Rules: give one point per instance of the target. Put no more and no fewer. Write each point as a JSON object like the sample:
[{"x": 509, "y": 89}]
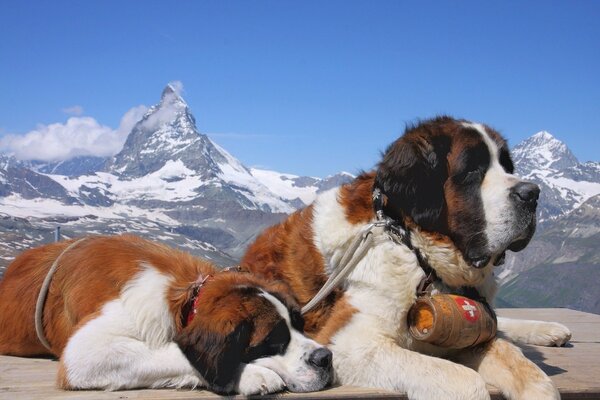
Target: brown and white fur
[
  {"x": 117, "y": 317},
  {"x": 451, "y": 183}
]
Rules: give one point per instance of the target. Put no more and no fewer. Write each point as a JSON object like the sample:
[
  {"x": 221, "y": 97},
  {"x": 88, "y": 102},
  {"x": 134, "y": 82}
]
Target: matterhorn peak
[{"x": 171, "y": 95}]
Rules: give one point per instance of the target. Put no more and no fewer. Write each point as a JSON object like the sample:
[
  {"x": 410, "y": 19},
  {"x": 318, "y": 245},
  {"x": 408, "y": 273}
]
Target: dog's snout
[
  {"x": 321, "y": 358},
  {"x": 526, "y": 192}
]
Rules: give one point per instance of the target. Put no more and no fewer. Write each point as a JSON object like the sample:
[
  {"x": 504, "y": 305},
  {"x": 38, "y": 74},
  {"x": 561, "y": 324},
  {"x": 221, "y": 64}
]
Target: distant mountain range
[
  {"x": 172, "y": 183},
  {"x": 169, "y": 182}
]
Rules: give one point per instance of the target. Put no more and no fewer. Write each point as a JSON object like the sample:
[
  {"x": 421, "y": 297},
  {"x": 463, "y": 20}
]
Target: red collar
[{"x": 190, "y": 309}]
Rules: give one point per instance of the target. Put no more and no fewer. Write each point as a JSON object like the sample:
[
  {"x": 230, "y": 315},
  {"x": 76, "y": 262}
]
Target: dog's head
[
  {"x": 242, "y": 320},
  {"x": 455, "y": 178}
]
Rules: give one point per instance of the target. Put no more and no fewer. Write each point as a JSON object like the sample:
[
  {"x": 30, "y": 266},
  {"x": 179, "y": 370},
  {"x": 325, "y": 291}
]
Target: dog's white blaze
[{"x": 495, "y": 191}]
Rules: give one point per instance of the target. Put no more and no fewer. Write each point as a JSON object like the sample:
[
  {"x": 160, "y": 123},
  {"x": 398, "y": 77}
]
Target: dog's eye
[{"x": 469, "y": 177}]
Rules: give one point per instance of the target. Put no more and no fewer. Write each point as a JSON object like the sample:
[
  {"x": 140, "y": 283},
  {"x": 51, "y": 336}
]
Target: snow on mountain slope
[
  {"x": 234, "y": 173},
  {"x": 284, "y": 185},
  {"x": 565, "y": 183},
  {"x": 303, "y": 188},
  {"x": 173, "y": 182},
  {"x": 17, "y": 206}
]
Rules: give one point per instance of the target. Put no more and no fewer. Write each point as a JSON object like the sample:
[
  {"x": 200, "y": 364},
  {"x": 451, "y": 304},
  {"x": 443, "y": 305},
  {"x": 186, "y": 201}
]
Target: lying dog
[
  {"x": 123, "y": 312},
  {"x": 455, "y": 207}
]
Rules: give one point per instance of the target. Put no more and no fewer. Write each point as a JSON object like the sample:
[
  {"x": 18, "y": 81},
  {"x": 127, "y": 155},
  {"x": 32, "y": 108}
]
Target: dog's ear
[
  {"x": 411, "y": 175},
  {"x": 216, "y": 355}
]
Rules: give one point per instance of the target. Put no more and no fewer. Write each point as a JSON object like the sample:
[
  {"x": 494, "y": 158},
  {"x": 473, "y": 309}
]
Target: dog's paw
[
  {"x": 259, "y": 380},
  {"x": 542, "y": 390},
  {"x": 550, "y": 334}
]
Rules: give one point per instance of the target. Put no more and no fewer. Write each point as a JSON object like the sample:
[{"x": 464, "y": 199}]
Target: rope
[
  {"x": 41, "y": 300},
  {"x": 353, "y": 254}
]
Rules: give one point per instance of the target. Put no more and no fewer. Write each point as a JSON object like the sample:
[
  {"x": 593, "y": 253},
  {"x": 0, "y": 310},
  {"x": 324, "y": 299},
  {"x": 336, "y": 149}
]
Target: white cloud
[
  {"x": 177, "y": 87},
  {"x": 79, "y": 136},
  {"x": 129, "y": 119},
  {"x": 73, "y": 110},
  {"x": 171, "y": 104}
]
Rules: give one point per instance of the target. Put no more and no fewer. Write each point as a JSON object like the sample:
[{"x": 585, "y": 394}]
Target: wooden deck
[{"x": 575, "y": 369}]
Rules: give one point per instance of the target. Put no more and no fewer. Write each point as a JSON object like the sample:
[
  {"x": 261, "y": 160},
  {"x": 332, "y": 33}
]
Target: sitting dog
[
  {"x": 452, "y": 207},
  {"x": 122, "y": 312}
]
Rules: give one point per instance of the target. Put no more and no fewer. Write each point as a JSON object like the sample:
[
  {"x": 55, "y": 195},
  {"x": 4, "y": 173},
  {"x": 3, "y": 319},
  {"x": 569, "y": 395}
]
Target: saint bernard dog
[
  {"x": 122, "y": 312},
  {"x": 449, "y": 186}
]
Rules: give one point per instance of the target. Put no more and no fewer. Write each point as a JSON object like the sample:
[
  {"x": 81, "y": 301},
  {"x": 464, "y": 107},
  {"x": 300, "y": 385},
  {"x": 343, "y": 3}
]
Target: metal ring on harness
[{"x": 41, "y": 300}]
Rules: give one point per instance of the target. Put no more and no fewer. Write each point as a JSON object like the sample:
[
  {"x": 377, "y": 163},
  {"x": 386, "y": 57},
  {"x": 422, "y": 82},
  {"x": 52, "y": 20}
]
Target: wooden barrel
[{"x": 451, "y": 321}]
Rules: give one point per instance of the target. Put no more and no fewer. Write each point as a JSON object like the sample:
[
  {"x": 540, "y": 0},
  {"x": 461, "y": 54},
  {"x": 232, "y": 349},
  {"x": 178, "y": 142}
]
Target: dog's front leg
[
  {"x": 503, "y": 365},
  {"x": 96, "y": 358},
  {"x": 131, "y": 366},
  {"x": 538, "y": 333},
  {"x": 363, "y": 358}
]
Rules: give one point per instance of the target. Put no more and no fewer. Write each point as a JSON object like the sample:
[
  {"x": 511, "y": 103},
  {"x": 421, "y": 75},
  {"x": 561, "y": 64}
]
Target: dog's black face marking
[
  {"x": 505, "y": 160},
  {"x": 297, "y": 320},
  {"x": 216, "y": 357},
  {"x": 274, "y": 343},
  {"x": 412, "y": 175},
  {"x": 472, "y": 165}
]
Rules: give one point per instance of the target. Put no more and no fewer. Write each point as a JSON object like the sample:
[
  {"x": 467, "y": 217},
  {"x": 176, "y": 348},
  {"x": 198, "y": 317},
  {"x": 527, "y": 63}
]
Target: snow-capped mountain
[
  {"x": 17, "y": 178},
  {"x": 565, "y": 182},
  {"x": 169, "y": 181}
]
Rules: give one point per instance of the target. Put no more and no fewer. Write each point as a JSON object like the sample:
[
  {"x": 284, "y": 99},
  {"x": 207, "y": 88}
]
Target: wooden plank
[{"x": 574, "y": 369}]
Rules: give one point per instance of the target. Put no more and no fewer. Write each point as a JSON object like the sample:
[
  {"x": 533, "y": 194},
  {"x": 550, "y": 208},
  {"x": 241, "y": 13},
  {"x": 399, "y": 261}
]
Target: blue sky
[{"x": 311, "y": 87}]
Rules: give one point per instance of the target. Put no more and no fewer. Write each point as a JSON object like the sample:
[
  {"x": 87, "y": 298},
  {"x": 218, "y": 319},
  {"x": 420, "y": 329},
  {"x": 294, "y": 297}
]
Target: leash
[
  {"x": 354, "y": 253},
  {"x": 41, "y": 300},
  {"x": 361, "y": 245}
]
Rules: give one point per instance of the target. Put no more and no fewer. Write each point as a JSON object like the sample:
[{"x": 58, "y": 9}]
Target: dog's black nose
[
  {"x": 526, "y": 191},
  {"x": 321, "y": 358}
]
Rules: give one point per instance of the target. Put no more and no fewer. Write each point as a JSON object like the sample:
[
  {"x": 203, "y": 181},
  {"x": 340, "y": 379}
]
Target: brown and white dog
[
  {"x": 123, "y": 312},
  {"x": 449, "y": 183}
]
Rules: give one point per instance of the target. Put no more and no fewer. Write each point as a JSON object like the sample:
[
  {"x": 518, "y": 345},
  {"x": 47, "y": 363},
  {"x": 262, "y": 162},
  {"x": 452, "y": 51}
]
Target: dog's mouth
[
  {"x": 483, "y": 258},
  {"x": 517, "y": 244}
]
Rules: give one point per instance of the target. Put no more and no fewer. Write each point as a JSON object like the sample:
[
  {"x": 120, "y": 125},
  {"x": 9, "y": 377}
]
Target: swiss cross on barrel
[{"x": 470, "y": 311}]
